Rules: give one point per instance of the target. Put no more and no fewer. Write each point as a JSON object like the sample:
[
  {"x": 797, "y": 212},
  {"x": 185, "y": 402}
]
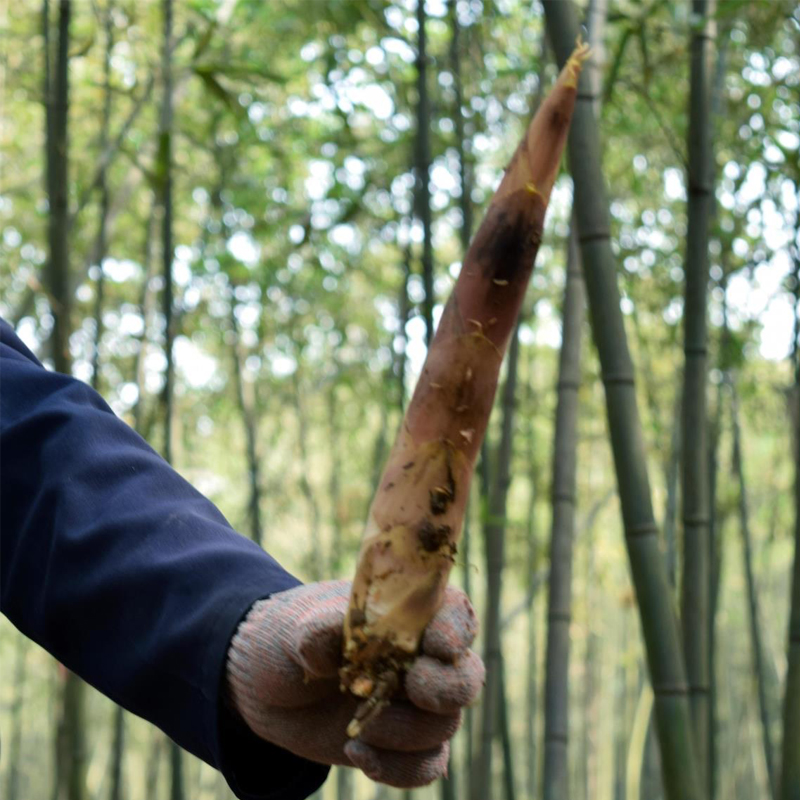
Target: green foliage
[{"x": 293, "y": 145}]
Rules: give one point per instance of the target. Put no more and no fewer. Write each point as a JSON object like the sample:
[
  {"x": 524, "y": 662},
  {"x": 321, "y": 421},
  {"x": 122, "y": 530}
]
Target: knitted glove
[{"x": 282, "y": 679}]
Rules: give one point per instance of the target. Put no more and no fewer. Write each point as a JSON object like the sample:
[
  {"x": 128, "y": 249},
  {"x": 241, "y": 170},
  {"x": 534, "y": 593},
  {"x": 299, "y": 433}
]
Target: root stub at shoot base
[
  {"x": 416, "y": 516},
  {"x": 377, "y": 692}
]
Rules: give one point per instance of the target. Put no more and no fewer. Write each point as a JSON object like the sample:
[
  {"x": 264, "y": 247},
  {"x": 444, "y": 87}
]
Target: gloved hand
[{"x": 282, "y": 679}]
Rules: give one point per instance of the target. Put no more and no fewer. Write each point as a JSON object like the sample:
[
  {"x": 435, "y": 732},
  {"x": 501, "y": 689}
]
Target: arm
[{"x": 126, "y": 574}]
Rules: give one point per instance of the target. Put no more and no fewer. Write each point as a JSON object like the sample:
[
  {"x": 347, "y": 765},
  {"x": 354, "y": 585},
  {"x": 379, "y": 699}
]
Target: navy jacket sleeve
[{"x": 126, "y": 574}]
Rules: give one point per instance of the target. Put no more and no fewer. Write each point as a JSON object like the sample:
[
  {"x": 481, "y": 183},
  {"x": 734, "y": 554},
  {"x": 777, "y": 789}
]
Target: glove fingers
[
  {"x": 404, "y": 728},
  {"x": 453, "y": 629},
  {"x": 403, "y": 770},
  {"x": 445, "y": 688}
]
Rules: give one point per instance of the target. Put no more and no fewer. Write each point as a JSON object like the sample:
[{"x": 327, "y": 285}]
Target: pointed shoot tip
[{"x": 575, "y": 62}]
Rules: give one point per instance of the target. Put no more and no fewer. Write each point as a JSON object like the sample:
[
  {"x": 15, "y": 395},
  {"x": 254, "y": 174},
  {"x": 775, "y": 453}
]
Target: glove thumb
[{"x": 316, "y": 644}]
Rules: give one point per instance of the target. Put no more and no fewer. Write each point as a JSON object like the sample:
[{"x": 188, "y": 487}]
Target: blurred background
[{"x": 238, "y": 221}]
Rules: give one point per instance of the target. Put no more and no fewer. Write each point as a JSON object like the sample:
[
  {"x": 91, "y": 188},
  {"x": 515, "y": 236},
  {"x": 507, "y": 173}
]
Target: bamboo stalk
[
  {"x": 494, "y": 531},
  {"x": 465, "y": 234},
  {"x": 422, "y": 171},
  {"x": 101, "y": 244},
  {"x": 565, "y": 447},
  {"x": 57, "y": 268},
  {"x": 559, "y": 605},
  {"x": 653, "y": 591},
  {"x": 790, "y": 776},
  {"x": 694, "y": 447},
  {"x": 16, "y": 721},
  {"x": 752, "y": 596}
]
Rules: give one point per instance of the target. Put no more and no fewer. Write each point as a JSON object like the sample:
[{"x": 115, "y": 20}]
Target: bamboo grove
[{"x": 240, "y": 221}]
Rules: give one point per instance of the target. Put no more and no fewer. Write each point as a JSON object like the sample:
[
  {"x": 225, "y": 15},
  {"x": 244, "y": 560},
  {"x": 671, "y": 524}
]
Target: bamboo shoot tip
[{"x": 575, "y": 62}]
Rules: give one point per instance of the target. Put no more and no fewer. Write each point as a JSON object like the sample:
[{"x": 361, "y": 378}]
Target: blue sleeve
[{"x": 127, "y": 575}]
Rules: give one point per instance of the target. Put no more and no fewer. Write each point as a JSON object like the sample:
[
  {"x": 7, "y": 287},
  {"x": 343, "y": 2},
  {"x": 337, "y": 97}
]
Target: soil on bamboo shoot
[{"x": 412, "y": 532}]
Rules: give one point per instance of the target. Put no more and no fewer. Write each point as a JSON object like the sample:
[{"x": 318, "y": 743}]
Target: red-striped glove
[{"x": 282, "y": 677}]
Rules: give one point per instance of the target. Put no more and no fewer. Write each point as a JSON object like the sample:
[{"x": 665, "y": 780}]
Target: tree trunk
[
  {"x": 790, "y": 779},
  {"x": 465, "y": 233},
  {"x": 246, "y": 398},
  {"x": 637, "y": 745},
  {"x": 715, "y": 556},
  {"x": 101, "y": 245},
  {"x": 315, "y": 566},
  {"x": 344, "y": 783},
  {"x": 247, "y": 408},
  {"x": 382, "y": 792},
  {"x": 398, "y": 372},
  {"x": 422, "y": 169},
  {"x": 177, "y": 790},
  {"x": 334, "y": 484},
  {"x": 659, "y": 623},
  {"x": 790, "y": 775},
  {"x": 531, "y": 705},
  {"x": 620, "y": 721},
  {"x": 153, "y": 763},
  {"x": 146, "y": 301},
  {"x": 671, "y": 510},
  {"x": 57, "y": 166},
  {"x": 71, "y": 744},
  {"x": 117, "y": 755},
  {"x": 462, "y": 143},
  {"x": 565, "y": 445},
  {"x": 504, "y": 723},
  {"x": 591, "y": 659},
  {"x": 164, "y": 183},
  {"x": 752, "y": 596},
  {"x": 672, "y": 454},
  {"x": 694, "y": 457},
  {"x": 494, "y": 537},
  {"x": 531, "y": 693},
  {"x": 559, "y": 603},
  {"x": 15, "y": 737},
  {"x": 404, "y": 308}
]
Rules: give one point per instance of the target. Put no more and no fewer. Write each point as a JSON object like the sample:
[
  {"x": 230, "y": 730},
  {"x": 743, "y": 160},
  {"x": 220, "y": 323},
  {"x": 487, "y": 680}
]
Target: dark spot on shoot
[
  {"x": 431, "y": 536},
  {"x": 451, "y": 483},
  {"x": 441, "y": 496},
  {"x": 505, "y": 245},
  {"x": 409, "y": 465}
]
